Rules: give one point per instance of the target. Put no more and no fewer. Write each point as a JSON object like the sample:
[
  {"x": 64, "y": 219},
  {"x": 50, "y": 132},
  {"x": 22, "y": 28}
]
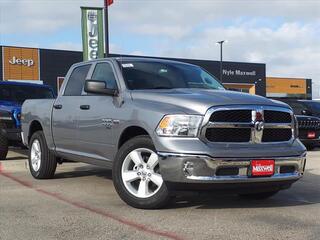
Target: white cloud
[
  {"x": 67, "y": 46},
  {"x": 281, "y": 33},
  {"x": 40, "y": 16}
]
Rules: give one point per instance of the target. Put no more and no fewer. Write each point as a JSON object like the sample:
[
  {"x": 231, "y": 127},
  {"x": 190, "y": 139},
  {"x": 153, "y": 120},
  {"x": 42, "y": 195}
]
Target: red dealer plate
[
  {"x": 311, "y": 134},
  {"x": 262, "y": 168}
]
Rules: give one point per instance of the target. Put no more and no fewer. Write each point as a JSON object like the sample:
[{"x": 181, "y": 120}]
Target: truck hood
[
  {"x": 199, "y": 100},
  {"x": 9, "y": 106}
]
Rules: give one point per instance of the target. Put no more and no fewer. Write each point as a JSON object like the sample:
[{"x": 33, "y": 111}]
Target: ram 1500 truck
[
  {"x": 164, "y": 126},
  {"x": 12, "y": 95}
]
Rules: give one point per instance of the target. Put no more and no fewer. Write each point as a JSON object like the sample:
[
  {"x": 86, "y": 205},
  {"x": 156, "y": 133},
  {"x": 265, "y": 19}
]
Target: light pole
[{"x": 221, "y": 43}]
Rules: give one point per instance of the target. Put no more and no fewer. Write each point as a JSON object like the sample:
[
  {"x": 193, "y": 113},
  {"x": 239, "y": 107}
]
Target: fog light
[{"x": 188, "y": 169}]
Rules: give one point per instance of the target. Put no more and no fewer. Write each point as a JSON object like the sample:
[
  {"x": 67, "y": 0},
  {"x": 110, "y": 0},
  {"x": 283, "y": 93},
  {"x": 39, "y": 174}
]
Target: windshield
[
  {"x": 21, "y": 93},
  {"x": 164, "y": 75},
  {"x": 315, "y": 106}
]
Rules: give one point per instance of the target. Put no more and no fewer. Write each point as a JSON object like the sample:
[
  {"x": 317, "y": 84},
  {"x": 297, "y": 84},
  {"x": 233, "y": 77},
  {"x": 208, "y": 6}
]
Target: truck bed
[{"x": 37, "y": 110}]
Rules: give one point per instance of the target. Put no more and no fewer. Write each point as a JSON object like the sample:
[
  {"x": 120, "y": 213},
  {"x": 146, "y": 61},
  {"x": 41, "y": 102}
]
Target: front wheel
[
  {"x": 42, "y": 162},
  {"x": 137, "y": 177}
]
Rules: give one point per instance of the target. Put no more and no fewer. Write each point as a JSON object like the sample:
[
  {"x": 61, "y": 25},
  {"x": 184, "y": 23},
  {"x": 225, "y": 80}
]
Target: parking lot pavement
[{"x": 81, "y": 203}]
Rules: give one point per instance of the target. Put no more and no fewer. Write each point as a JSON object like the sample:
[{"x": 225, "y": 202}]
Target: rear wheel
[
  {"x": 3, "y": 146},
  {"x": 259, "y": 196},
  {"x": 136, "y": 175},
  {"x": 42, "y": 162}
]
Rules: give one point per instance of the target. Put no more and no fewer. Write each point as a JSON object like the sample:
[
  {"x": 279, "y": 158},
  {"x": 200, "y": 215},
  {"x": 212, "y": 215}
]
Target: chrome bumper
[{"x": 183, "y": 168}]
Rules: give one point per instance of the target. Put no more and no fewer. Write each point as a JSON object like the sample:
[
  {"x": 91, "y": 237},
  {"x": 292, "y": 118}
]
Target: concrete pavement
[{"x": 81, "y": 203}]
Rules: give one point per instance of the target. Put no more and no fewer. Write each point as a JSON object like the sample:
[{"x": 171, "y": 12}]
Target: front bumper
[
  {"x": 12, "y": 134},
  {"x": 184, "y": 168}
]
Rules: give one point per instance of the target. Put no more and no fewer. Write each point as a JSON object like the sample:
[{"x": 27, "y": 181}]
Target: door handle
[
  {"x": 57, "y": 106},
  {"x": 85, "y": 107}
]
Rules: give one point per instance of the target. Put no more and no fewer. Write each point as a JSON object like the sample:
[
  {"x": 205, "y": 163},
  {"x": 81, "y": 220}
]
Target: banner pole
[{"x": 106, "y": 29}]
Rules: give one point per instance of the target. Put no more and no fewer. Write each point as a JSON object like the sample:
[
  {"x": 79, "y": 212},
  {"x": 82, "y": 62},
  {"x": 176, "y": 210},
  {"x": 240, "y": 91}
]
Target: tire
[
  {"x": 42, "y": 162},
  {"x": 310, "y": 147},
  {"x": 259, "y": 196},
  {"x": 3, "y": 147},
  {"x": 145, "y": 188}
]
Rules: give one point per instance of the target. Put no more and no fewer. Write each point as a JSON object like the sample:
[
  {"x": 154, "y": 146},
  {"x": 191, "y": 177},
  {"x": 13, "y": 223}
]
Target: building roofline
[{"x": 146, "y": 56}]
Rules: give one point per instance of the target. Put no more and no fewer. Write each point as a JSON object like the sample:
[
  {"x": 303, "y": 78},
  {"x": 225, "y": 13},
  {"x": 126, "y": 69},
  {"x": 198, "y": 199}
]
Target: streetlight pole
[
  {"x": 106, "y": 27},
  {"x": 221, "y": 44}
]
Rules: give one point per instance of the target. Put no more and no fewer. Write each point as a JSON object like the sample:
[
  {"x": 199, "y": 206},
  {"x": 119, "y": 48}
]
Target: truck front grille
[
  {"x": 309, "y": 124},
  {"x": 231, "y": 116},
  {"x": 276, "y": 135},
  {"x": 249, "y": 125},
  {"x": 228, "y": 134},
  {"x": 277, "y": 117}
]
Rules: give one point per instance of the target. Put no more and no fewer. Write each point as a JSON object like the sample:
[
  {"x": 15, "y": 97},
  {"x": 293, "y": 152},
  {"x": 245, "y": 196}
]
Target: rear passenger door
[
  {"x": 97, "y": 116},
  {"x": 65, "y": 111}
]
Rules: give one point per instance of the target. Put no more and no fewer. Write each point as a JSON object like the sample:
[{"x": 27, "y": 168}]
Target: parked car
[
  {"x": 304, "y": 107},
  {"x": 12, "y": 95},
  {"x": 309, "y": 131},
  {"x": 307, "y": 113},
  {"x": 163, "y": 126}
]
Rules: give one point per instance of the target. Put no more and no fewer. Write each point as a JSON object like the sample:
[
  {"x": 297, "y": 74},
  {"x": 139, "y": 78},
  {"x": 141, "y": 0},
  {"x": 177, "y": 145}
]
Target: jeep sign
[
  {"x": 19, "y": 61},
  {"x": 92, "y": 33}
]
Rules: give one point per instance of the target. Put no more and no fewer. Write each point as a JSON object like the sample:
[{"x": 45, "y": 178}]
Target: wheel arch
[
  {"x": 131, "y": 132},
  {"x": 34, "y": 127}
]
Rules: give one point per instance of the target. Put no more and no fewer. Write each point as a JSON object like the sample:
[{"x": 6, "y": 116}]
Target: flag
[
  {"x": 92, "y": 33},
  {"x": 108, "y": 2}
]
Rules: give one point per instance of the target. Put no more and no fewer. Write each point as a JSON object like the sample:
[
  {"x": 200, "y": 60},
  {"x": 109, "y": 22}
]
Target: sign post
[
  {"x": 107, "y": 3},
  {"x": 92, "y": 33}
]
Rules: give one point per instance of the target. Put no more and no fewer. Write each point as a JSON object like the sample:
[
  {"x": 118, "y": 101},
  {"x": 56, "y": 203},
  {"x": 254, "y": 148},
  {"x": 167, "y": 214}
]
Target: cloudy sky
[{"x": 284, "y": 34}]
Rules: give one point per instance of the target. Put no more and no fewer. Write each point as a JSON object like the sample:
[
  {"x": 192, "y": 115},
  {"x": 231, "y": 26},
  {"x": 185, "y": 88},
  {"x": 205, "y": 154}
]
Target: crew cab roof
[
  {"x": 136, "y": 59},
  {"x": 24, "y": 84}
]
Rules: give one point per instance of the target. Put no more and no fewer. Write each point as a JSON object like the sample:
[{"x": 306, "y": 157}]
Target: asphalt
[{"x": 81, "y": 203}]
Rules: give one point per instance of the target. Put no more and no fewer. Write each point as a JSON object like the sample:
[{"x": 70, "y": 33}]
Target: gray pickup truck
[{"x": 163, "y": 126}]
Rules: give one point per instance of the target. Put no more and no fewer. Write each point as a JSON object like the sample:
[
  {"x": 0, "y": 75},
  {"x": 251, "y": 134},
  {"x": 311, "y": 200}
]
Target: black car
[
  {"x": 307, "y": 113},
  {"x": 309, "y": 130}
]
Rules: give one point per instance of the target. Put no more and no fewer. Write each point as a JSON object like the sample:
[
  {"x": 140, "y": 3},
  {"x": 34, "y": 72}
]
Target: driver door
[{"x": 97, "y": 116}]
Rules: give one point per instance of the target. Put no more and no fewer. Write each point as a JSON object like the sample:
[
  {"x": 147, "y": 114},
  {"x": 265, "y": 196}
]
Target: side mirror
[
  {"x": 306, "y": 112},
  {"x": 99, "y": 87}
]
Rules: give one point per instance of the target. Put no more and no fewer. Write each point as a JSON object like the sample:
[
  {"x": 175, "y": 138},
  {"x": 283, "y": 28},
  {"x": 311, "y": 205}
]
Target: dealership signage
[
  {"x": 238, "y": 72},
  {"x": 20, "y": 63},
  {"x": 92, "y": 33}
]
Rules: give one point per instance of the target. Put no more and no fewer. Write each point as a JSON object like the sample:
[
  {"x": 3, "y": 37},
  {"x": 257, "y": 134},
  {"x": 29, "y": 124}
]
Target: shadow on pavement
[
  {"x": 304, "y": 192},
  {"x": 85, "y": 171}
]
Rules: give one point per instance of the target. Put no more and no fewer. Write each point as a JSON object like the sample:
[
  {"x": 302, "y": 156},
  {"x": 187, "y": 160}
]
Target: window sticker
[
  {"x": 163, "y": 70},
  {"x": 127, "y": 65}
]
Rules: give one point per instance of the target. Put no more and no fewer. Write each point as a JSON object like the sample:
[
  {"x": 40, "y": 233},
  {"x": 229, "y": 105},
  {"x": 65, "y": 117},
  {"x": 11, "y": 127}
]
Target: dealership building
[{"x": 49, "y": 66}]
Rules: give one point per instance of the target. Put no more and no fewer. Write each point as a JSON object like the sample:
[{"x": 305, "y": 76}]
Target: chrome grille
[
  {"x": 307, "y": 124},
  {"x": 276, "y": 117},
  {"x": 254, "y": 124},
  {"x": 232, "y": 116}
]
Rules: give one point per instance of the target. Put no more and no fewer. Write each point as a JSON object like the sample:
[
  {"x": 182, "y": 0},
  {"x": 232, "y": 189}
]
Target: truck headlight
[{"x": 179, "y": 125}]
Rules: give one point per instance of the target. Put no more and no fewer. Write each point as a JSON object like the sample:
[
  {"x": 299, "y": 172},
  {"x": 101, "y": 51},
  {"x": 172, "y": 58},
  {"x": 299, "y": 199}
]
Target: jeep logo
[
  {"x": 93, "y": 35},
  {"x": 19, "y": 61}
]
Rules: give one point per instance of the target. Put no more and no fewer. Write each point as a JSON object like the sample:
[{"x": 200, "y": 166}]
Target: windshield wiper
[{"x": 162, "y": 88}]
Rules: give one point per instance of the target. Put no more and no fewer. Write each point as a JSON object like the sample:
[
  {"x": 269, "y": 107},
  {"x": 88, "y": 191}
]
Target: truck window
[
  {"x": 20, "y": 93},
  {"x": 104, "y": 72},
  {"x": 76, "y": 81},
  {"x": 165, "y": 75}
]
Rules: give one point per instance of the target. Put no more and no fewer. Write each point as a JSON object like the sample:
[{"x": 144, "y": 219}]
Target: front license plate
[
  {"x": 262, "y": 168},
  {"x": 311, "y": 135}
]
